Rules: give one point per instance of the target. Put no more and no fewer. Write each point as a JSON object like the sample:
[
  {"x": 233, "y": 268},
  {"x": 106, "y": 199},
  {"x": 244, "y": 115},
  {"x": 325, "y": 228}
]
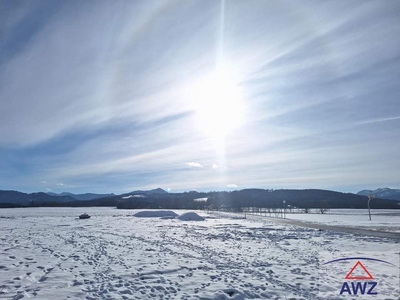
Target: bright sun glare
[{"x": 217, "y": 102}]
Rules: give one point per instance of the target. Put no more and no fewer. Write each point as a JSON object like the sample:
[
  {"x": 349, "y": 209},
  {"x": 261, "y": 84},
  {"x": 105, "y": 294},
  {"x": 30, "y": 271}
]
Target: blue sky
[{"x": 113, "y": 96}]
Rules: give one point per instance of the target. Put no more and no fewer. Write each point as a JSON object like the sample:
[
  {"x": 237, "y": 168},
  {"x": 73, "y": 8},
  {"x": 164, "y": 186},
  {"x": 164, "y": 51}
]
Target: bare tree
[
  {"x": 323, "y": 210},
  {"x": 324, "y": 207}
]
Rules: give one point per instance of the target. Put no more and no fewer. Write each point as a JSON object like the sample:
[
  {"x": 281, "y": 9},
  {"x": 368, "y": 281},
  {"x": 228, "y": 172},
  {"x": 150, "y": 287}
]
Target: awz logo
[
  {"x": 359, "y": 287},
  {"x": 363, "y": 284}
]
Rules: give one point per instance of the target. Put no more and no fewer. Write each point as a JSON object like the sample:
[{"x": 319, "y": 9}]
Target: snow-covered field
[
  {"x": 48, "y": 253},
  {"x": 381, "y": 219}
]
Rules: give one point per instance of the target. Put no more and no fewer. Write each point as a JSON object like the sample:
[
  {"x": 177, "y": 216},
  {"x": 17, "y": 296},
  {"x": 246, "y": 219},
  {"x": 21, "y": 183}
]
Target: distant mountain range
[
  {"x": 23, "y": 199},
  {"x": 86, "y": 196},
  {"x": 15, "y": 198},
  {"x": 384, "y": 193},
  {"x": 234, "y": 200},
  {"x": 92, "y": 196},
  {"x": 139, "y": 192}
]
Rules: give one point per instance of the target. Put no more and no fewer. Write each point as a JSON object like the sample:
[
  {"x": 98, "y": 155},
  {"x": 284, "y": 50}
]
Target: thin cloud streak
[{"x": 379, "y": 120}]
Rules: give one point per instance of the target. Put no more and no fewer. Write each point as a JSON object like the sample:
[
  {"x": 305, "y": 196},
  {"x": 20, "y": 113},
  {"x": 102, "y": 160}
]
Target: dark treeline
[
  {"x": 10, "y": 205},
  {"x": 310, "y": 198},
  {"x": 235, "y": 200}
]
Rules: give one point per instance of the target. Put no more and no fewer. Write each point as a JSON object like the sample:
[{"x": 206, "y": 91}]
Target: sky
[{"x": 115, "y": 96}]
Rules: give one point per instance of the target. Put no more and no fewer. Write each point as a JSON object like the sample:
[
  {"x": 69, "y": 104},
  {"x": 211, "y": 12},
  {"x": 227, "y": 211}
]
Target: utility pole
[
  {"x": 370, "y": 197},
  {"x": 284, "y": 209}
]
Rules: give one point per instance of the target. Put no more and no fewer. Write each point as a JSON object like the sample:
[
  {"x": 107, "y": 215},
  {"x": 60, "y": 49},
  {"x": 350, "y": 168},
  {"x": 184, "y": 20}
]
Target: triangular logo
[{"x": 368, "y": 277}]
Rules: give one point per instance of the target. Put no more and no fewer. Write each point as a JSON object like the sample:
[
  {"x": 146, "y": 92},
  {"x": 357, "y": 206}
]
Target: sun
[{"x": 217, "y": 102}]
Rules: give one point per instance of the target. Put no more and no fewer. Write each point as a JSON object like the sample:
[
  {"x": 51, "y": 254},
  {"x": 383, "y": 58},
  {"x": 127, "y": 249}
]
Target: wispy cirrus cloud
[
  {"x": 378, "y": 120},
  {"x": 120, "y": 119}
]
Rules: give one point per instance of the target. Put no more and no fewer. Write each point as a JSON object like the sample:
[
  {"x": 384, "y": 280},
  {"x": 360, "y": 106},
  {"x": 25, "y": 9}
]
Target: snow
[
  {"x": 46, "y": 253},
  {"x": 134, "y": 196},
  {"x": 383, "y": 220},
  {"x": 155, "y": 214},
  {"x": 201, "y": 199},
  {"x": 190, "y": 216}
]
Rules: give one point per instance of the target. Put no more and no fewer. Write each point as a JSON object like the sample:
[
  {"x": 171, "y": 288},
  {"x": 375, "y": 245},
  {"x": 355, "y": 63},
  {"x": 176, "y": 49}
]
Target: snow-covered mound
[
  {"x": 190, "y": 216},
  {"x": 155, "y": 214}
]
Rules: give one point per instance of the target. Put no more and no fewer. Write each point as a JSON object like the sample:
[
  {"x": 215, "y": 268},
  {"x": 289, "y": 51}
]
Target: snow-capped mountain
[{"x": 383, "y": 193}]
